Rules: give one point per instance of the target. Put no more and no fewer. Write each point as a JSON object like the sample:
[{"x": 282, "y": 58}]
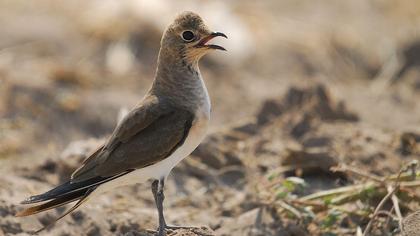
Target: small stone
[
  {"x": 232, "y": 176},
  {"x": 411, "y": 224}
]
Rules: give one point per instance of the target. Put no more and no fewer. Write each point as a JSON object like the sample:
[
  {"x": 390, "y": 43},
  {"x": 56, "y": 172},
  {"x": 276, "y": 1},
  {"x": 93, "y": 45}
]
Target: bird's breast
[{"x": 204, "y": 107}]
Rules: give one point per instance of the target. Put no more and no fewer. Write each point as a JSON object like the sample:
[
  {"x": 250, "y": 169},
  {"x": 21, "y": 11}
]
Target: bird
[{"x": 162, "y": 129}]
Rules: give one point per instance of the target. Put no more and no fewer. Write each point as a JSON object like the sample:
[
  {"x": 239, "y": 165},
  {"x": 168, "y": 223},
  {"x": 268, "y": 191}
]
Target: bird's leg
[{"x": 157, "y": 190}]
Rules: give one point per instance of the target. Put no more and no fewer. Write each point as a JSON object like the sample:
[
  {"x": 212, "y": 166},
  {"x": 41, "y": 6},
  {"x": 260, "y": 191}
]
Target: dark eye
[{"x": 188, "y": 36}]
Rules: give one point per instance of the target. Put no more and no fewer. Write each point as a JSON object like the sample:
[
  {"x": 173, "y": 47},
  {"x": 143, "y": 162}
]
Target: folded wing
[{"x": 148, "y": 134}]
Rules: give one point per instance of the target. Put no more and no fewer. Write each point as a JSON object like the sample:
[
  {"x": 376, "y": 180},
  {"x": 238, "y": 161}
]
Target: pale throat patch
[{"x": 193, "y": 55}]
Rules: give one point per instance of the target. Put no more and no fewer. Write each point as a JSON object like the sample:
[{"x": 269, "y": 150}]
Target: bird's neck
[{"x": 180, "y": 81}]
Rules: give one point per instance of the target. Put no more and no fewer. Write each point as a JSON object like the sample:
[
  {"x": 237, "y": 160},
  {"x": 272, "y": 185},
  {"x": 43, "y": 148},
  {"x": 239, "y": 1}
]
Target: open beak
[{"x": 202, "y": 42}]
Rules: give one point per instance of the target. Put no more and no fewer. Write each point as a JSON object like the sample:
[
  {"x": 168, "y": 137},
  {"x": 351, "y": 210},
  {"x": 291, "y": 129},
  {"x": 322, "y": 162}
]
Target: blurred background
[{"x": 67, "y": 68}]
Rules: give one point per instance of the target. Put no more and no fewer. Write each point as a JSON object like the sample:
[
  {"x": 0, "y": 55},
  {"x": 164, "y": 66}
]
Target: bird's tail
[
  {"x": 81, "y": 196},
  {"x": 62, "y": 195},
  {"x": 59, "y": 201}
]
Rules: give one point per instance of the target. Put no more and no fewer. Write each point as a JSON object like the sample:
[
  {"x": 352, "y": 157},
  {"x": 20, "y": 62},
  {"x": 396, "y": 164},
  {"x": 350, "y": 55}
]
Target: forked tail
[
  {"x": 81, "y": 196},
  {"x": 62, "y": 195}
]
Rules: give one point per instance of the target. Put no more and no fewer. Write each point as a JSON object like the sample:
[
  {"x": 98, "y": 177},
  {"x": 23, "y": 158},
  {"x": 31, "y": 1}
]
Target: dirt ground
[{"x": 305, "y": 86}]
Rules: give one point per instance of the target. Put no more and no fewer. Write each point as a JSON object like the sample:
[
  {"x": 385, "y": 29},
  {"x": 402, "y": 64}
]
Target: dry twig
[
  {"x": 395, "y": 202},
  {"x": 378, "y": 209},
  {"x": 391, "y": 194},
  {"x": 354, "y": 170}
]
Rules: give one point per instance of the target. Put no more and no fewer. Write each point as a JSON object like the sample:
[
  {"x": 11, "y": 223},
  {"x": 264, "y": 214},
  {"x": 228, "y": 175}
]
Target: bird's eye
[{"x": 188, "y": 36}]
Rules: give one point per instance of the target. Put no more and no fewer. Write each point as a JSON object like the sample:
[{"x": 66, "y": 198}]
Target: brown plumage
[
  {"x": 155, "y": 135},
  {"x": 163, "y": 128}
]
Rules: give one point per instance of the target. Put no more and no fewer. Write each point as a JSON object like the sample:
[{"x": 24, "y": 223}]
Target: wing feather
[{"x": 148, "y": 134}]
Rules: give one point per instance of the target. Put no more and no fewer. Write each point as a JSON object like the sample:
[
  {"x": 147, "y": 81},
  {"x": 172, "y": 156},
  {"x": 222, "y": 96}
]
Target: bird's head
[{"x": 188, "y": 37}]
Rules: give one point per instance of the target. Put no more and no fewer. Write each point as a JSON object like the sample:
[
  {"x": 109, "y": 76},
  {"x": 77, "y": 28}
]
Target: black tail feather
[
  {"x": 64, "y": 189},
  {"x": 64, "y": 194},
  {"x": 71, "y": 197},
  {"x": 82, "y": 199},
  {"x": 70, "y": 187}
]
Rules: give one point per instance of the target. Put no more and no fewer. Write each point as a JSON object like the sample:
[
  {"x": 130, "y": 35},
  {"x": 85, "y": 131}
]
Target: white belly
[{"x": 161, "y": 169}]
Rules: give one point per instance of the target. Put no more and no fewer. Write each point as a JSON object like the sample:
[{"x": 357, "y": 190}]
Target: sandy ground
[{"x": 303, "y": 87}]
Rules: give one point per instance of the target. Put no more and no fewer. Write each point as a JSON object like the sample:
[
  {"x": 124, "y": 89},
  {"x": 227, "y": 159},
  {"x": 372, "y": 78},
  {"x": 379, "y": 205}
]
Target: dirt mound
[{"x": 313, "y": 101}]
